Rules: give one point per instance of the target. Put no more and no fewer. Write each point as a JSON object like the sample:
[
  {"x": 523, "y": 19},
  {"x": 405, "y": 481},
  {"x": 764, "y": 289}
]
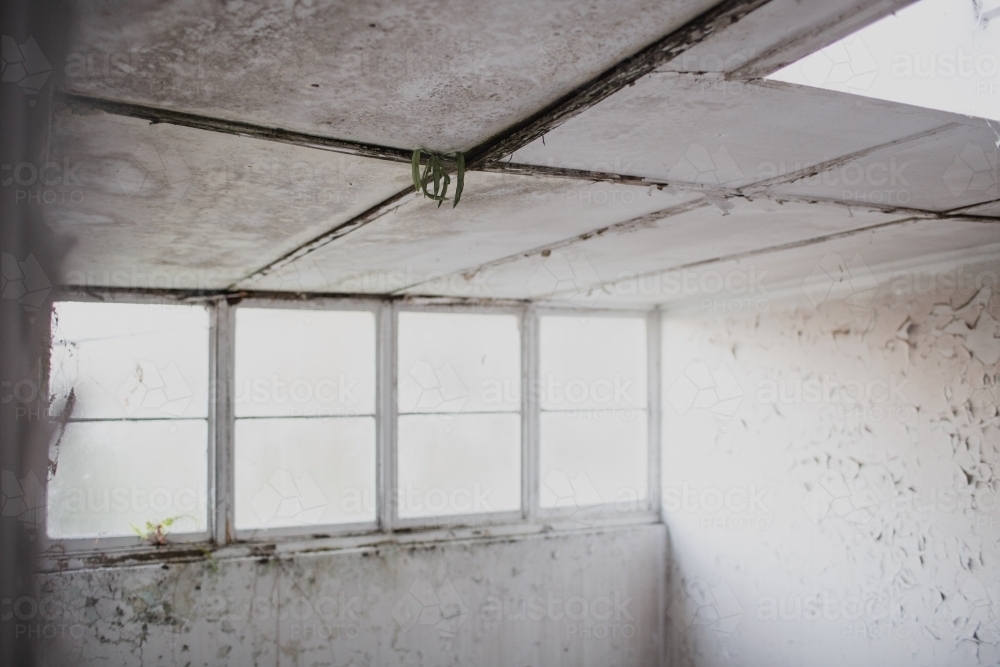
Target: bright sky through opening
[{"x": 938, "y": 54}]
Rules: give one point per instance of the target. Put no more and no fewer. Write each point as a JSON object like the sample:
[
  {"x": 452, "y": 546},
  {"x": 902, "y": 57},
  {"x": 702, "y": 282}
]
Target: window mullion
[
  {"x": 530, "y": 414},
  {"x": 385, "y": 419},
  {"x": 222, "y": 356},
  {"x": 653, "y": 405}
]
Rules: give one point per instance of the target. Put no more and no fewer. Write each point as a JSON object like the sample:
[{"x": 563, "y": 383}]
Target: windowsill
[{"x": 181, "y": 552}]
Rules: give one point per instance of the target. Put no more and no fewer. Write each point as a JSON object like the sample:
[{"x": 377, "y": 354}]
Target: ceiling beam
[
  {"x": 85, "y": 103},
  {"x": 707, "y": 190},
  {"x": 623, "y": 74}
]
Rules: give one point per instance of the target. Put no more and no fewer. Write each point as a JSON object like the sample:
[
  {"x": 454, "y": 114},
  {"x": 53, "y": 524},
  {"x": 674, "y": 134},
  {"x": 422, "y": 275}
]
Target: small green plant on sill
[
  {"x": 155, "y": 533},
  {"x": 436, "y": 175}
]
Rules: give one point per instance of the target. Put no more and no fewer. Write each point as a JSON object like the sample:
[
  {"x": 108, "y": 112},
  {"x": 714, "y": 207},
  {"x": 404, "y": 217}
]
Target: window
[
  {"x": 459, "y": 405},
  {"x": 290, "y": 419},
  {"x": 132, "y": 382},
  {"x": 304, "y": 403},
  {"x": 594, "y": 446}
]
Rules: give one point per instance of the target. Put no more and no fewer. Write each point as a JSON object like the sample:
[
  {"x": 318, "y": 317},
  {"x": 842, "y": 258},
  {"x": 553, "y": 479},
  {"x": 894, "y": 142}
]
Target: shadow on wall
[{"x": 34, "y": 33}]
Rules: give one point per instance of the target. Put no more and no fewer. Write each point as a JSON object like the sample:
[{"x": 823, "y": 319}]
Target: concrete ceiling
[
  {"x": 850, "y": 268},
  {"x": 953, "y": 169},
  {"x": 708, "y": 131},
  {"x": 167, "y": 206},
  {"x": 438, "y": 74},
  {"x": 418, "y": 244},
  {"x": 702, "y": 232},
  {"x": 588, "y": 166}
]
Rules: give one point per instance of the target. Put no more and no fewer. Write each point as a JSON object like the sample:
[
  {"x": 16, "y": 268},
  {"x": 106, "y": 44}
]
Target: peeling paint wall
[
  {"x": 831, "y": 477},
  {"x": 591, "y": 598}
]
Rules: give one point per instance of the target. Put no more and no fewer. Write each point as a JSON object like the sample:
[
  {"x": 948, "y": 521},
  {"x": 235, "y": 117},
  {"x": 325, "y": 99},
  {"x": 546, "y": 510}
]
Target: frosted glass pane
[
  {"x": 304, "y": 472},
  {"x": 458, "y": 362},
  {"x": 113, "y": 474},
  {"x": 462, "y": 464},
  {"x": 130, "y": 360},
  {"x": 590, "y": 458},
  {"x": 592, "y": 362},
  {"x": 304, "y": 362}
]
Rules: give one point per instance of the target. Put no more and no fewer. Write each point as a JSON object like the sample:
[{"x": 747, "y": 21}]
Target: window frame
[
  {"x": 222, "y": 533},
  {"x": 652, "y": 502},
  {"x": 482, "y": 519},
  {"x": 134, "y": 542},
  {"x": 228, "y": 438}
]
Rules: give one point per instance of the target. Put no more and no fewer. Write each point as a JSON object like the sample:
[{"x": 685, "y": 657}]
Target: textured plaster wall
[
  {"x": 831, "y": 476},
  {"x": 589, "y": 598}
]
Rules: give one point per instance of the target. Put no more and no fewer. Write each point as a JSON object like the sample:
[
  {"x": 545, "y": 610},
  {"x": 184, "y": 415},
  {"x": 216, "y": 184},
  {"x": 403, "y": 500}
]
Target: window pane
[
  {"x": 594, "y": 457},
  {"x": 114, "y": 474},
  {"x": 452, "y": 462},
  {"x": 138, "y": 375},
  {"x": 594, "y": 445},
  {"x": 129, "y": 360},
  {"x": 304, "y": 362},
  {"x": 305, "y": 427},
  {"x": 304, "y": 472},
  {"x": 458, "y": 362},
  {"x": 593, "y": 362},
  {"x": 459, "y": 464}
]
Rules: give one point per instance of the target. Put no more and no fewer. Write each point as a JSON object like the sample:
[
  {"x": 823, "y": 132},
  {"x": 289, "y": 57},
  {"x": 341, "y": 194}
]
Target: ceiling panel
[
  {"x": 849, "y": 268},
  {"x": 172, "y": 207},
  {"x": 438, "y": 74},
  {"x": 695, "y": 129},
  {"x": 576, "y": 271},
  {"x": 780, "y": 33},
  {"x": 499, "y": 215},
  {"x": 943, "y": 172}
]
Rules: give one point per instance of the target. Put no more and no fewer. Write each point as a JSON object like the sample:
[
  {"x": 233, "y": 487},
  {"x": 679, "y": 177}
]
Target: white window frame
[
  {"x": 388, "y": 527},
  {"x": 134, "y": 542},
  {"x": 608, "y": 511},
  {"x": 483, "y": 519},
  {"x": 225, "y": 508}
]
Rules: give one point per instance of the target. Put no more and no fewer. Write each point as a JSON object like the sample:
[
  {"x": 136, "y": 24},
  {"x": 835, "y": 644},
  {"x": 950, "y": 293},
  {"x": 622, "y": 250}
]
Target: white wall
[
  {"x": 872, "y": 536},
  {"x": 583, "y": 598}
]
